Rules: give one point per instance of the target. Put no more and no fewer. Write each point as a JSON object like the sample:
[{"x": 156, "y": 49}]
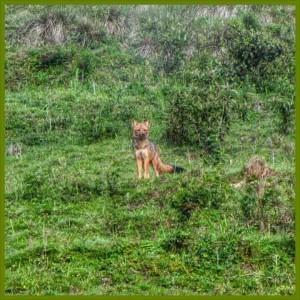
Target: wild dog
[{"x": 146, "y": 153}]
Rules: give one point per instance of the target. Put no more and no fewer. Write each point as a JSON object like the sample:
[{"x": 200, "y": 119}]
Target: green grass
[
  {"x": 93, "y": 228},
  {"x": 78, "y": 221}
]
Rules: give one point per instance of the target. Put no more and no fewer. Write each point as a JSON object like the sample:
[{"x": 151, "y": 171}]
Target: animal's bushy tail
[
  {"x": 166, "y": 168},
  {"x": 178, "y": 169}
]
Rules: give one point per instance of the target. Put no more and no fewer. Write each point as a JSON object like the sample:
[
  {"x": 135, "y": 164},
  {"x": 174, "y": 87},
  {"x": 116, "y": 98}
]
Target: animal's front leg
[
  {"x": 146, "y": 168},
  {"x": 139, "y": 163}
]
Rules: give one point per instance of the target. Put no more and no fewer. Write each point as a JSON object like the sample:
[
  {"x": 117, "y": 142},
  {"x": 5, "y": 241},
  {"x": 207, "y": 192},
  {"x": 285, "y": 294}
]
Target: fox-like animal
[{"x": 146, "y": 153}]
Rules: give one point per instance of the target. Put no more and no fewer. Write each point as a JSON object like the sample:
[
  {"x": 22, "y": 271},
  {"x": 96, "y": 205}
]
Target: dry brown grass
[{"x": 257, "y": 168}]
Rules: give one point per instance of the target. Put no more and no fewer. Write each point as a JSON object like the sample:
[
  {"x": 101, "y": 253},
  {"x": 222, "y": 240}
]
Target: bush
[
  {"x": 199, "y": 109},
  {"x": 250, "y": 50},
  {"x": 211, "y": 191},
  {"x": 258, "y": 54}
]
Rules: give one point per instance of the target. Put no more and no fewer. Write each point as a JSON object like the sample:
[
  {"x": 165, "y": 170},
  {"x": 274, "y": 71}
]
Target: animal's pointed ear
[
  {"x": 147, "y": 123},
  {"x": 133, "y": 123}
]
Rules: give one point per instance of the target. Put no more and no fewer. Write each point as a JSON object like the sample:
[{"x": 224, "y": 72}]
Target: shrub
[
  {"x": 199, "y": 115},
  {"x": 258, "y": 54},
  {"x": 211, "y": 191},
  {"x": 249, "y": 50}
]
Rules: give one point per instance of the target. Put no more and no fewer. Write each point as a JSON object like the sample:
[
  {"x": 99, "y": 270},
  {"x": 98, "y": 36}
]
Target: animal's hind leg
[{"x": 155, "y": 166}]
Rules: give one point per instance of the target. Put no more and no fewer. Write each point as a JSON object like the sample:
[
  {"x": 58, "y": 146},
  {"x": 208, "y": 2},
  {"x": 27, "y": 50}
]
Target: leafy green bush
[
  {"x": 211, "y": 191},
  {"x": 199, "y": 113},
  {"x": 259, "y": 54},
  {"x": 250, "y": 51}
]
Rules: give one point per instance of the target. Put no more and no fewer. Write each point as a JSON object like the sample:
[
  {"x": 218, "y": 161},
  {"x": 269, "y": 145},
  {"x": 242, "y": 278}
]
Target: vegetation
[{"x": 216, "y": 83}]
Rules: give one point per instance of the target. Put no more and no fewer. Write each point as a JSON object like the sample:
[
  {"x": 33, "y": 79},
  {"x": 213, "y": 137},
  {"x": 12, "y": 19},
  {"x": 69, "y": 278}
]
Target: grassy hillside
[{"x": 216, "y": 83}]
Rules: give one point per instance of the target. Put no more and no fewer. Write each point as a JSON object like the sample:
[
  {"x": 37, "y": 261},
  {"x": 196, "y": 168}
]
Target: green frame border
[{"x": 124, "y": 2}]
